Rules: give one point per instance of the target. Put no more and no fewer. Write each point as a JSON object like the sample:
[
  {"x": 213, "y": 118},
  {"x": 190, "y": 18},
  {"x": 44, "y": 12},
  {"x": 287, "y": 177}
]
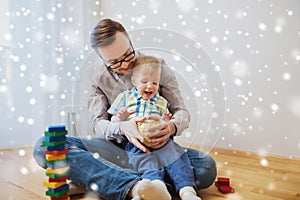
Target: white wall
[
  {"x": 256, "y": 48},
  {"x": 42, "y": 46},
  {"x": 254, "y": 45}
]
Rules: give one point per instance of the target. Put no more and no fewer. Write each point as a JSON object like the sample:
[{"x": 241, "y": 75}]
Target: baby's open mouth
[{"x": 148, "y": 93}]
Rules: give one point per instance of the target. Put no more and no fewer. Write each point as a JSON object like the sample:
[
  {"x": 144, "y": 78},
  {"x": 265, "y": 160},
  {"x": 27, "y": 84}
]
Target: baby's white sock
[
  {"x": 188, "y": 193},
  {"x": 149, "y": 190}
]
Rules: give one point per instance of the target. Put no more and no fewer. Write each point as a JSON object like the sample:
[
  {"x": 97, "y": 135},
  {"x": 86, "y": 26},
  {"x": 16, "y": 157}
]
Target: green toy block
[
  {"x": 54, "y": 143},
  {"x": 61, "y": 163},
  {"x": 52, "y": 175},
  {"x": 47, "y": 133},
  {"x": 56, "y": 194}
]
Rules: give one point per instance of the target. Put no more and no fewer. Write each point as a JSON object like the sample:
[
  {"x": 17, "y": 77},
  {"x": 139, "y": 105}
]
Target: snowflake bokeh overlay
[{"x": 254, "y": 45}]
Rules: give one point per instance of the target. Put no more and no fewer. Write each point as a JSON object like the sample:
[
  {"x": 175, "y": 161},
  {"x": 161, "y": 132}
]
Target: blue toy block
[
  {"x": 55, "y": 138},
  {"x": 56, "y": 164},
  {"x": 59, "y": 189},
  {"x": 58, "y": 128},
  {"x": 54, "y": 148}
]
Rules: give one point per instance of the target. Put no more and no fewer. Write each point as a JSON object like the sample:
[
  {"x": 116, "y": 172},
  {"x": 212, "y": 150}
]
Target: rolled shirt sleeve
[
  {"x": 100, "y": 95},
  {"x": 169, "y": 89}
]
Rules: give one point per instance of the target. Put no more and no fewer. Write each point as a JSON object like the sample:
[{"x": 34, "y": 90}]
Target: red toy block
[
  {"x": 61, "y": 179},
  {"x": 222, "y": 181},
  {"x": 64, "y": 197},
  {"x": 225, "y": 189},
  {"x": 57, "y": 152},
  {"x": 223, "y": 184}
]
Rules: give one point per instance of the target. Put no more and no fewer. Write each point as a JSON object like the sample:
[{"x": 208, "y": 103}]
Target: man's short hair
[{"x": 104, "y": 33}]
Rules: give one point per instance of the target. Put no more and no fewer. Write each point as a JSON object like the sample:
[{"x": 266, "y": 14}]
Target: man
[{"x": 109, "y": 173}]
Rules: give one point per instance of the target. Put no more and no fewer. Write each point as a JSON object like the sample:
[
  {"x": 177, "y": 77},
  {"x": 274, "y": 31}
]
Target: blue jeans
[
  {"x": 170, "y": 160},
  {"x": 101, "y": 163}
]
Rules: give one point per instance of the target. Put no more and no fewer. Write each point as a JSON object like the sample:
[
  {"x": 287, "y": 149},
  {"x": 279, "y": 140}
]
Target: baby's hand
[
  {"x": 167, "y": 116},
  {"x": 123, "y": 114}
]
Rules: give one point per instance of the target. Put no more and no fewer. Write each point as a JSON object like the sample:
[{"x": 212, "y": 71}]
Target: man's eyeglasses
[{"x": 118, "y": 64}]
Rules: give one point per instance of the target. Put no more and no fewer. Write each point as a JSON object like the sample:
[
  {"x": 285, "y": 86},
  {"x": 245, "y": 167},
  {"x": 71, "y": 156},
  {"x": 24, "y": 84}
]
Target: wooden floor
[{"x": 253, "y": 176}]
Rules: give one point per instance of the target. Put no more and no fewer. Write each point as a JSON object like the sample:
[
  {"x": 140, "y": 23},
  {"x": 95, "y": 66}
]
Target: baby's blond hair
[{"x": 146, "y": 62}]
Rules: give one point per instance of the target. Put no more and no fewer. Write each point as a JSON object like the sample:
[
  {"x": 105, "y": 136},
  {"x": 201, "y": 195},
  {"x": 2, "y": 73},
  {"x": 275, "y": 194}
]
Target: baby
[{"x": 144, "y": 100}]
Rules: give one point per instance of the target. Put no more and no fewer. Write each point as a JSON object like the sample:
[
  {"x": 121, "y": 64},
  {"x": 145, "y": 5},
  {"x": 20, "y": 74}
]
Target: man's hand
[
  {"x": 159, "y": 134},
  {"x": 129, "y": 129}
]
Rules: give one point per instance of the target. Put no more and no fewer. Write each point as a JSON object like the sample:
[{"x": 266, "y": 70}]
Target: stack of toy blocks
[{"x": 57, "y": 163}]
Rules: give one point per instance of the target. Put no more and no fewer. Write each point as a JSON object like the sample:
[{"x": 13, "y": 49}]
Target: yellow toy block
[
  {"x": 51, "y": 157},
  {"x": 53, "y": 185},
  {"x": 57, "y": 171}
]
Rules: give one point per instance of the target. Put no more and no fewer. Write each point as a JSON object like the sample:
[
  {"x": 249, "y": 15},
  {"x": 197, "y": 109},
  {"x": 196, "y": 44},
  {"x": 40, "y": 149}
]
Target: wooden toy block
[
  {"x": 57, "y": 171},
  {"x": 51, "y": 157},
  {"x": 54, "y": 164},
  {"x": 57, "y": 152},
  {"x": 55, "y": 134},
  {"x": 56, "y": 148},
  {"x": 55, "y": 138},
  {"x": 222, "y": 181},
  {"x": 64, "y": 197},
  {"x": 59, "y": 165},
  {"x": 53, "y": 175},
  {"x": 57, "y": 194},
  {"x": 59, "y": 189},
  {"x": 55, "y": 143},
  {"x": 223, "y": 184},
  {"x": 53, "y": 184},
  {"x": 225, "y": 189},
  {"x": 56, "y": 128},
  {"x": 61, "y": 179}
]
